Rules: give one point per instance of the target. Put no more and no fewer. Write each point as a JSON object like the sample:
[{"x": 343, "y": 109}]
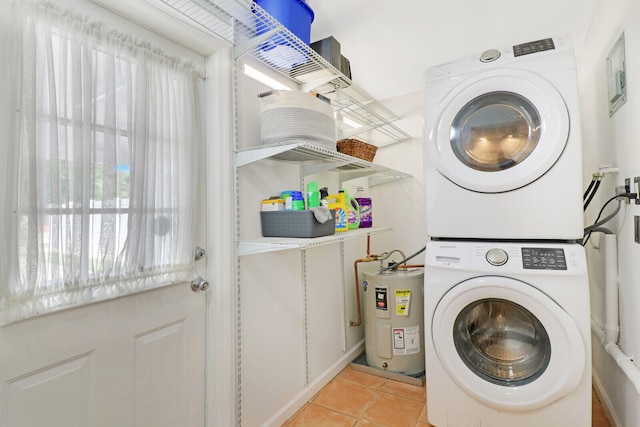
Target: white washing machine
[
  {"x": 503, "y": 147},
  {"x": 507, "y": 335}
]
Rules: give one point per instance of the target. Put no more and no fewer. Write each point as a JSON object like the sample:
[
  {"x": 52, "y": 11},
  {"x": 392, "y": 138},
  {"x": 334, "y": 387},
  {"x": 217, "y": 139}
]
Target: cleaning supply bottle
[
  {"x": 297, "y": 201},
  {"x": 366, "y": 208},
  {"x": 313, "y": 195},
  {"x": 324, "y": 195},
  {"x": 336, "y": 201},
  {"x": 286, "y": 196},
  {"x": 353, "y": 211}
]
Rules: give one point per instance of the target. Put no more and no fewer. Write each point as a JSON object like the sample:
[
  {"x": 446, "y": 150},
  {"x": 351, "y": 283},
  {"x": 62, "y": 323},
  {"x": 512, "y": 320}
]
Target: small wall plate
[{"x": 617, "y": 76}]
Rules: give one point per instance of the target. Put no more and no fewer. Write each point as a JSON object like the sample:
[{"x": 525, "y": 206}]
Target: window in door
[{"x": 105, "y": 139}]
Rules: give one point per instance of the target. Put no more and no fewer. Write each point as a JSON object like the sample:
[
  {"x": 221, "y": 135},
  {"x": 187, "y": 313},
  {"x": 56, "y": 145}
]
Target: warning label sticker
[
  {"x": 406, "y": 340},
  {"x": 381, "y": 299},
  {"x": 403, "y": 298}
]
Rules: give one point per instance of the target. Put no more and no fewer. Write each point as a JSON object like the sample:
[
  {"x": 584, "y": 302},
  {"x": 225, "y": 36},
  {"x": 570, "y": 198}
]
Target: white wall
[
  {"x": 391, "y": 43},
  {"x": 613, "y": 141}
]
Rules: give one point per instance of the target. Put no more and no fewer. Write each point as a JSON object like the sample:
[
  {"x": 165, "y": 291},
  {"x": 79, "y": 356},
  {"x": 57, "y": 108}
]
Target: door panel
[
  {"x": 133, "y": 361},
  {"x": 160, "y": 375},
  {"x": 70, "y": 379}
]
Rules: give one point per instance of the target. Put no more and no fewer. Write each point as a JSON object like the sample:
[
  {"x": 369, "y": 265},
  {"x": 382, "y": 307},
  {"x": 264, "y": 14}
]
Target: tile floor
[{"x": 357, "y": 399}]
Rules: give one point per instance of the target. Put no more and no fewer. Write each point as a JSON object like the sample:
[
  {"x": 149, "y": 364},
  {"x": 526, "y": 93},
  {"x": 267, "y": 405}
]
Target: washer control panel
[
  {"x": 537, "y": 258},
  {"x": 543, "y": 259}
]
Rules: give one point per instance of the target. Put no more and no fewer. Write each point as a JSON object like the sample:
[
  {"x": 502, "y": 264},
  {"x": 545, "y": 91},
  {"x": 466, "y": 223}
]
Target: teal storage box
[{"x": 295, "y": 224}]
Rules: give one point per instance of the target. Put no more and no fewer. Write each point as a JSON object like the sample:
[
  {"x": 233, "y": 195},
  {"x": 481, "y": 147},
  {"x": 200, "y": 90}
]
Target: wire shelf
[
  {"x": 254, "y": 32},
  {"x": 272, "y": 244},
  {"x": 314, "y": 158}
]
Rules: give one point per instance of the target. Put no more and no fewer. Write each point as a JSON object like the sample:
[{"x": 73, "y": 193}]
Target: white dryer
[
  {"x": 503, "y": 147},
  {"x": 507, "y": 335}
]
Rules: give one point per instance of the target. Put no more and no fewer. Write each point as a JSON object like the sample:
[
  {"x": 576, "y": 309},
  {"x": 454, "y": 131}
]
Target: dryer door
[
  {"x": 499, "y": 131},
  {"x": 507, "y": 344}
]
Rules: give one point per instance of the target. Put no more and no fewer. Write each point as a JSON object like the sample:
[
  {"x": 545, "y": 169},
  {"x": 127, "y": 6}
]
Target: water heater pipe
[
  {"x": 368, "y": 258},
  {"x": 609, "y": 336}
]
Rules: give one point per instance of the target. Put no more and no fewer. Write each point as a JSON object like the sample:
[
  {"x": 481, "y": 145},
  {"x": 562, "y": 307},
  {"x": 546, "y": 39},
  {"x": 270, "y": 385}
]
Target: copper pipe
[
  {"x": 368, "y": 258},
  {"x": 410, "y": 266}
]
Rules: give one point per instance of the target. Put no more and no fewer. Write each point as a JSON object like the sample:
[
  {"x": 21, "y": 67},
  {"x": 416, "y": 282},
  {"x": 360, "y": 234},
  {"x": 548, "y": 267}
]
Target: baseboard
[
  {"x": 604, "y": 400},
  {"x": 314, "y": 387}
]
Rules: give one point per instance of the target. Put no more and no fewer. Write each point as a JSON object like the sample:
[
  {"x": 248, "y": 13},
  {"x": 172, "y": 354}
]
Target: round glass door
[
  {"x": 495, "y": 131},
  {"x": 502, "y": 342},
  {"x": 498, "y": 131},
  {"x": 507, "y": 344}
]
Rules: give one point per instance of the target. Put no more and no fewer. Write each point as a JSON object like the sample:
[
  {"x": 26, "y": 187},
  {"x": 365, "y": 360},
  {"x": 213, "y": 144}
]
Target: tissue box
[
  {"x": 295, "y": 224},
  {"x": 273, "y": 205}
]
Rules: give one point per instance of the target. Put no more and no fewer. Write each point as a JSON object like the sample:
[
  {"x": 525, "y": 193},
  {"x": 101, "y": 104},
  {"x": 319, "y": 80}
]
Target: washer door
[
  {"x": 507, "y": 344},
  {"x": 499, "y": 131}
]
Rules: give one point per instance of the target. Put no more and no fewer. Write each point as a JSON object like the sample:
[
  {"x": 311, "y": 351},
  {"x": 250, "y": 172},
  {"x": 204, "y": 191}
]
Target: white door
[
  {"x": 133, "y": 361},
  {"x": 499, "y": 131},
  {"x": 137, "y": 360}
]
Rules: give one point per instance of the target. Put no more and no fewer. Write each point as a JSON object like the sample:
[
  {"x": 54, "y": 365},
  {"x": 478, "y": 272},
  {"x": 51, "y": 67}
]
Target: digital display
[
  {"x": 543, "y": 259},
  {"x": 533, "y": 47}
]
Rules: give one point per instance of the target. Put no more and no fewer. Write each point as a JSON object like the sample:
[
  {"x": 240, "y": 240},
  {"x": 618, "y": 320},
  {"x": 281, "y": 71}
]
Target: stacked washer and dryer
[{"x": 507, "y": 316}]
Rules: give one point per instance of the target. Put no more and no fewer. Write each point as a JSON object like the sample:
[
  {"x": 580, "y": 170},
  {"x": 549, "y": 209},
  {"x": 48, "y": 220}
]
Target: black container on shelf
[{"x": 329, "y": 49}]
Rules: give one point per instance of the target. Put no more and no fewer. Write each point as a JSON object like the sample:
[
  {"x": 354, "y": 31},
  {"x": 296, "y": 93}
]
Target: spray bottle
[{"x": 324, "y": 195}]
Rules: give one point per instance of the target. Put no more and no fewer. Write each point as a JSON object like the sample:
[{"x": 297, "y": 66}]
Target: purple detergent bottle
[{"x": 366, "y": 208}]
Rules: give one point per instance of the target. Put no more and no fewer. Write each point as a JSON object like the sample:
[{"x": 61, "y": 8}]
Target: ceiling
[{"x": 390, "y": 43}]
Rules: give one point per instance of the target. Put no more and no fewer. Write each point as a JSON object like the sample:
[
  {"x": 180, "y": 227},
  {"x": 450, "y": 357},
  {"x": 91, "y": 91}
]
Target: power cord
[
  {"x": 394, "y": 265},
  {"x": 597, "y": 223}
]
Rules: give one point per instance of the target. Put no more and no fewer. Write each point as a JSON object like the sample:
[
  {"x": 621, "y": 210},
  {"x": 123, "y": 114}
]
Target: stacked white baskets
[{"x": 288, "y": 116}]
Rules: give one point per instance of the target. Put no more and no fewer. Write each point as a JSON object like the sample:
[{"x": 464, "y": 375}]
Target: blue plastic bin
[{"x": 295, "y": 15}]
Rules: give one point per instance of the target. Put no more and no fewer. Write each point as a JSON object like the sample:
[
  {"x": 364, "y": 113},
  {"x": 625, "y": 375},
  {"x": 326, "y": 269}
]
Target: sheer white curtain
[{"x": 99, "y": 137}]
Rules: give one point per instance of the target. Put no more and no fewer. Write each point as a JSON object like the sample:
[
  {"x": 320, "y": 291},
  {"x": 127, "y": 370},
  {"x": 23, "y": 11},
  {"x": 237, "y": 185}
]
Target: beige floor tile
[
  {"x": 393, "y": 411},
  {"x": 407, "y": 390},
  {"x": 345, "y": 397},
  {"x": 598, "y": 416},
  {"x": 359, "y": 399},
  {"x": 367, "y": 380},
  {"x": 290, "y": 420},
  {"x": 423, "y": 415},
  {"x": 317, "y": 416}
]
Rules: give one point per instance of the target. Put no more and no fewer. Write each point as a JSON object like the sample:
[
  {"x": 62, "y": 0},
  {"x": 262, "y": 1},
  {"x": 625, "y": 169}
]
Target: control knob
[
  {"x": 490, "y": 55},
  {"x": 497, "y": 256}
]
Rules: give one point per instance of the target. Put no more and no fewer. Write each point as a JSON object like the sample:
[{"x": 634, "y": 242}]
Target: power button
[
  {"x": 497, "y": 256},
  {"x": 490, "y": 55}
]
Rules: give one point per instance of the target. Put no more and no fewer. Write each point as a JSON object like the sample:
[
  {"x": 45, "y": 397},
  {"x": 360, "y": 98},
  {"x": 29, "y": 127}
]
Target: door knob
[
  {"x": 200, "y": 253},
  {"x": 199, "y": 284}
]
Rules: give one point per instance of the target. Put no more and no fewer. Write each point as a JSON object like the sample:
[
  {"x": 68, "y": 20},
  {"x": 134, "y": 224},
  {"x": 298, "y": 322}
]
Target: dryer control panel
[{"x": 533, "y": 47}]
